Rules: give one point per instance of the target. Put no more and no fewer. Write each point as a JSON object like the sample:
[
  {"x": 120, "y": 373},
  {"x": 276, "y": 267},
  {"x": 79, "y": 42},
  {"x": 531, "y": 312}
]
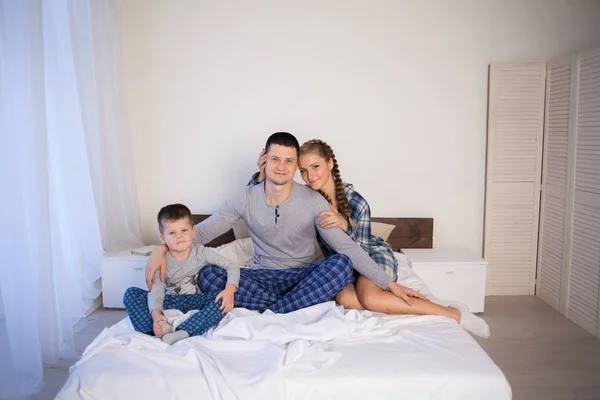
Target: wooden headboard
[
  {"x": 410, "y": 233},
  {"x": 224, "y": 238}
]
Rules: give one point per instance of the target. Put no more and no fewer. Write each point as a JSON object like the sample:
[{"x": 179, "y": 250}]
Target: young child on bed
[{"x": 184, "y": 261}]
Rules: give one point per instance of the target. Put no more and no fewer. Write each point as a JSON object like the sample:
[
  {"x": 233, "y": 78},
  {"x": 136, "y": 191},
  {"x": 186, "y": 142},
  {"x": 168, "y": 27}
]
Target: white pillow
[
  {"x": 239, "y": 251},
  {"x": 382, "y": 230}
]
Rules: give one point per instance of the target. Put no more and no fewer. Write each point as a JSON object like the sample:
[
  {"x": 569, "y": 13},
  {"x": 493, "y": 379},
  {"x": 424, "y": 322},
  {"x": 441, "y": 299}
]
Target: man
[{"x": 282, "y": 217}]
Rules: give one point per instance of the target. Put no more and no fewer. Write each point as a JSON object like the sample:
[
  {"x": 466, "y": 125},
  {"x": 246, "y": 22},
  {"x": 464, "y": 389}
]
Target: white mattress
[{"x": 321, "y": 352}]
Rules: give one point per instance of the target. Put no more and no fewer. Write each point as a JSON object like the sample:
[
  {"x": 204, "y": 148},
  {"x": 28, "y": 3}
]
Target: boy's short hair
[
  {"x": 283, "y": 139},
  {"x": 173, "y": 212}
]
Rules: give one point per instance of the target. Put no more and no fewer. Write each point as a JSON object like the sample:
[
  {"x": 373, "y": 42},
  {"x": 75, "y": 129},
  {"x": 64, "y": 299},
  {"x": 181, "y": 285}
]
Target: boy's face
[
  {"x": 281, "y": 164},
  {"x": 178, "y": 234}
]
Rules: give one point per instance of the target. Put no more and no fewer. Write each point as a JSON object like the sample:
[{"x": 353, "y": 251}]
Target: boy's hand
[
  {"x": 227, "y": 296},
  {"x": 157, "y": 317}
]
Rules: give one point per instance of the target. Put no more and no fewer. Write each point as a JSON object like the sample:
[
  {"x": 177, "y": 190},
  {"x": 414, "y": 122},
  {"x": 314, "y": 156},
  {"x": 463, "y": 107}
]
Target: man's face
[{"x": 281, "y": 164}]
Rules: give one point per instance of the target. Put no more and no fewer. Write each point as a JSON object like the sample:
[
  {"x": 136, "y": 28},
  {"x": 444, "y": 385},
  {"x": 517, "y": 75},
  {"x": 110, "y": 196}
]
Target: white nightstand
[
  {"x": 454, "y": 274},
  {"x": 120, "y": 271}
]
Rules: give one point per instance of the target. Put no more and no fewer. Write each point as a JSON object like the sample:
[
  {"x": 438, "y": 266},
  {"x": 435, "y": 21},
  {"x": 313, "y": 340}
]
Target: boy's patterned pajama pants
[{"x": 209, "y": 315}]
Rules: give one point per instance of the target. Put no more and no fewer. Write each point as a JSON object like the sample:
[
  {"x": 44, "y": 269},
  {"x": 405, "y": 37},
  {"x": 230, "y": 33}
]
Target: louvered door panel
[
  {"x": 584, "y": 273},
  {"x": 587, "y": 169},
  {"x": 584, "y": 279},
  {"x": 515, "y": 126},
  {"x": 556, "y": 177},
  {"x": 557, "y": 128},
  {"x": 551, "y": 254}
]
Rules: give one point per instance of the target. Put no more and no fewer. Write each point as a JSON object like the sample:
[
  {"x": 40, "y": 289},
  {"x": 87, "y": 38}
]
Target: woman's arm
[
  {"x": 259, "y": 176},
  {"x": 361, "y": 231},
  {"x": 254, "y": 179}
]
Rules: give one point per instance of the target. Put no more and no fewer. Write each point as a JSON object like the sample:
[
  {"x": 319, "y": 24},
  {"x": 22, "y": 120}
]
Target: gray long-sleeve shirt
[
  {"x": 283, "y": 236},
  {"x": 182, "y": 276}
]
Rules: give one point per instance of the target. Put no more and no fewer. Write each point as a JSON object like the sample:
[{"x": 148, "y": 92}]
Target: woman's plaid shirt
[{"x": 376, "y": 247}]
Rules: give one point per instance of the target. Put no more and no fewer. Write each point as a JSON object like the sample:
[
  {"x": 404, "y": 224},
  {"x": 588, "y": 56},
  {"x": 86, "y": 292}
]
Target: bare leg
[
  {"x": 348, "y": 299},
  {"x": 376, "y": 299}
]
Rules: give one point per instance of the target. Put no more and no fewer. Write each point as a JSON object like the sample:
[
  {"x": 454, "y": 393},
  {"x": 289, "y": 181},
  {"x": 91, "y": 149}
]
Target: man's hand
[
  {"x": 261, "y": 164},
  {"x": 156, "y": 261},
  {"x": 157, "y": 317},
  {"x": 331, "y": 219},
  {"x": 227, "y": 295},
  {"x": 405, "y": 293}
]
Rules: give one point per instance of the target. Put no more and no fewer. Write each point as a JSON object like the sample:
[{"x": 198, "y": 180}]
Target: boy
[{"x": 184, "y": 261}]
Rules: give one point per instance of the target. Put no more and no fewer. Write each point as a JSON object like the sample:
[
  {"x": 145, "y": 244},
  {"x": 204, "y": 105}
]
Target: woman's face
[{"x": 315, "y": 171}]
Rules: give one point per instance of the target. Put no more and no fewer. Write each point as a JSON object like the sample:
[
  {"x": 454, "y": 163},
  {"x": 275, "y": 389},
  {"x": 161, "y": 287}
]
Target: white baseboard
[{"x": 95, "y": 305}]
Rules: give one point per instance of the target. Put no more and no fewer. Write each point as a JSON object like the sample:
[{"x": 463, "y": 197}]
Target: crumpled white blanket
[{"x": 245, "y": 357}]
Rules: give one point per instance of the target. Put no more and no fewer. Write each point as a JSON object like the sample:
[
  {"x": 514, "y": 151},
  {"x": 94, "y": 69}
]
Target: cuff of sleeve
[
  {"x": 235, "y": 282},
  {"x": 155, "y": 307},
  {"x": 253, "y": 180},
  {"x": 386, "y": 283}
]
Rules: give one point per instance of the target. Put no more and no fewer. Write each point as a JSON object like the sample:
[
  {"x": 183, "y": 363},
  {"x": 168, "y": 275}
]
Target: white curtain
[{"x": 66, "y": 176}]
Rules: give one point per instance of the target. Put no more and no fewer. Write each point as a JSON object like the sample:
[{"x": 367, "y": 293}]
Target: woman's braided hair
[{"x": 322, "y": 149}]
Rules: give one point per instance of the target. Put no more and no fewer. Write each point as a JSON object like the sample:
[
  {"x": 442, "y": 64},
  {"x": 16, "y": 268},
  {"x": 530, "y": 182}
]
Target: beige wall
[{"x": 398, "y": 88}]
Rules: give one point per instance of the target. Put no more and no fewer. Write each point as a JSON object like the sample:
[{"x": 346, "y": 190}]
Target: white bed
[{"x": 321, "y": 352}]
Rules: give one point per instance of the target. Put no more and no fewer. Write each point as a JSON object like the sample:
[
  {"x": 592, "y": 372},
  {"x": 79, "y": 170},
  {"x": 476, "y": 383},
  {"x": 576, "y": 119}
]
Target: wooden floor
[{"x": 543, "y": 355}]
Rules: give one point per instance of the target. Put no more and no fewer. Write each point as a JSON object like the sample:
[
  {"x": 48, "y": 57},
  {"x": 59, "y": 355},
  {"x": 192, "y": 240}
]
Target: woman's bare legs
[
  {"x": 366, "y": 295},
  {"x": 373, "y": 298},
  {"x": 348, "y": 299}
]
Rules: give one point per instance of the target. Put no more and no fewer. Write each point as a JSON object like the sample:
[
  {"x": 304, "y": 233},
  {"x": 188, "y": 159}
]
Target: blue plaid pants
[
  {"x": 209, "y": 315},
  {"x": 283, "y": 290}
]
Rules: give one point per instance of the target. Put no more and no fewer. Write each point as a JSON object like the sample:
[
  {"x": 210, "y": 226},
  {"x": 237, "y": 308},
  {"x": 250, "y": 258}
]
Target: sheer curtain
[{"x": 66, "y": 176}]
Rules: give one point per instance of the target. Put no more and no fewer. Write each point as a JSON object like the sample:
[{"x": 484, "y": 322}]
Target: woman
[{"x": 351, "y": 213}]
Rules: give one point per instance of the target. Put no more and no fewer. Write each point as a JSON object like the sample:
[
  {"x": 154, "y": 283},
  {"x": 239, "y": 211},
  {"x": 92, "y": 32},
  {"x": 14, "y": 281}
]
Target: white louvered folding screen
[
  {"x": 515, "y": 132},
  {"x": 583, "y": 304},
  {"x": 556, "y": 183}
]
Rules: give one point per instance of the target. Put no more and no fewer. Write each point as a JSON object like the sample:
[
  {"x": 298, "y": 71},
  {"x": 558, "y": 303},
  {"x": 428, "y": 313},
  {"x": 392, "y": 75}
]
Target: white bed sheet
[
  {"x": 321, "y": 352},
  {"x": 419, "y": 358}
]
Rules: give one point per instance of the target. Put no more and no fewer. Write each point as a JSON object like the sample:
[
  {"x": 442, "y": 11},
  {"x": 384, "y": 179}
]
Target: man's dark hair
[
  {"x": 173, "y": 212},
  {"x": 283, "y": 139}
]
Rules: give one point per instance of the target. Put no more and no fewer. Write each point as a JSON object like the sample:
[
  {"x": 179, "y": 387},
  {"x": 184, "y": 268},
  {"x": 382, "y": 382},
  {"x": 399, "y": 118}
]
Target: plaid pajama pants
[
  {"x": 209, "y": 315},
  {"x": 283, "y": 290}
]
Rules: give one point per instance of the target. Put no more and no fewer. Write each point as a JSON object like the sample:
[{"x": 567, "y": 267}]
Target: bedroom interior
[{"x": 472, "y": 128}]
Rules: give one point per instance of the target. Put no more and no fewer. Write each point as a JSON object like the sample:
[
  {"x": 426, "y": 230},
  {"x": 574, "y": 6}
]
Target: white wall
[{"x": 398, "y": 88}]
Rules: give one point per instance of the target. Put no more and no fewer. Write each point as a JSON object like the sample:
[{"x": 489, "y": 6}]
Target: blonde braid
[{"x": 326, "y": 152}]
